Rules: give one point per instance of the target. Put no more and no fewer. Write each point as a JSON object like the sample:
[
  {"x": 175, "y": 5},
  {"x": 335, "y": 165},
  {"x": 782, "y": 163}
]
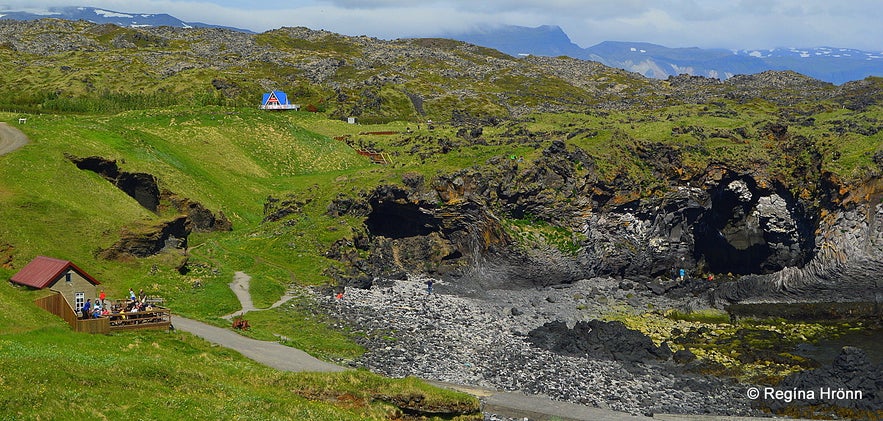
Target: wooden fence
[
  {"x": 160, "y": 318},
  {"x": 57, "y": 305},
  {"x": 382, "y": 158}
]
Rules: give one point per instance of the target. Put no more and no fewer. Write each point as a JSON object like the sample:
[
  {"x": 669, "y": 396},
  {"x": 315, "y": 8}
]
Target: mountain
[
  {"x": 835, "y": 65},
  {"x": 546, "y": 40},
  {"x": 101, "y": 16}
]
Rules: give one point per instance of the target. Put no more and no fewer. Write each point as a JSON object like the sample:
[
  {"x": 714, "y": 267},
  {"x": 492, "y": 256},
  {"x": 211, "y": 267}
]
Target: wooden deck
[{"x": 160, "y": 318}]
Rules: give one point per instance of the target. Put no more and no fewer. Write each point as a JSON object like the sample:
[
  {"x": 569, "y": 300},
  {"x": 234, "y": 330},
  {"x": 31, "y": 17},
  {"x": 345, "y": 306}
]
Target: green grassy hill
[
  {"x": 185, "y": 112},
  {"x": 229, "y": 160}
]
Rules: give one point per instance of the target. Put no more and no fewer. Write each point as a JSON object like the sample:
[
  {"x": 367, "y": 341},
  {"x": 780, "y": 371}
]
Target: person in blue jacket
[{"x": 87, "y": 306}]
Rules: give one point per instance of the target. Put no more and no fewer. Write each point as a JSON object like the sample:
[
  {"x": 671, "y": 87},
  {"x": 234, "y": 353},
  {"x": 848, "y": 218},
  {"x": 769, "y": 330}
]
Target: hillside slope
[
  {"x": 532, "y": 174},
  {"x": 56, "y": 65},
  {"x": 225, "y": 160}
]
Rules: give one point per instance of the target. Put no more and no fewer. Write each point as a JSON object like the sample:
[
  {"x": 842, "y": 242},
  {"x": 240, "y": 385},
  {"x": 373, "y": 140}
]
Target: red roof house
[{"x": 46, "y": 272}]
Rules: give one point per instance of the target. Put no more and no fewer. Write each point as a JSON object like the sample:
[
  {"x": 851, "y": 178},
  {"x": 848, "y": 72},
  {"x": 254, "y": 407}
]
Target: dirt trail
[
  {"x": 273, "y": 354},
  {"x": 241, "y": 287},
  {"x": 11, "y": 139}
]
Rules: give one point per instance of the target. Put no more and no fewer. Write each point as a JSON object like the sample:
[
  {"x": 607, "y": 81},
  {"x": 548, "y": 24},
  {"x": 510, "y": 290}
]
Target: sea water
[{"x": 826, "y": 350}]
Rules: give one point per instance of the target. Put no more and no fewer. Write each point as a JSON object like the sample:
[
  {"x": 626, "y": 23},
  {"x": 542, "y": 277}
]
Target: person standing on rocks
[{"x": 429, "y": 286}]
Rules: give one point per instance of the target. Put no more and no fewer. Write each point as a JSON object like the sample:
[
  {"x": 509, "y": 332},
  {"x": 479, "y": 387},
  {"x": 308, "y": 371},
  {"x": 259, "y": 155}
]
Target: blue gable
[{"x": 275, "y": 98}]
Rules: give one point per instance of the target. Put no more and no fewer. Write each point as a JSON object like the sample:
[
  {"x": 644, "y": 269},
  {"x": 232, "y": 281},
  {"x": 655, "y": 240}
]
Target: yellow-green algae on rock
[{"x": 750, "y": 350}]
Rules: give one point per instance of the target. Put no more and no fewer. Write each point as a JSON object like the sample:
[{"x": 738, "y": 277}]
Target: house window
[{"x": 79, "y": 300}]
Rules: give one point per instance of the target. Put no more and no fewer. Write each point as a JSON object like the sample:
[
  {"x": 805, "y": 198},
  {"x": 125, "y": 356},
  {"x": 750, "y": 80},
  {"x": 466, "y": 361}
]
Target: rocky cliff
[
  {"x": 746, "y": 228},
  {"x": 846, "y": 258}
]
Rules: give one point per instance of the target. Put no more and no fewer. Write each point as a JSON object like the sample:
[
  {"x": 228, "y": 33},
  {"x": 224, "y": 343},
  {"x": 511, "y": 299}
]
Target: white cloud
[{"x": 109, "y": 14}]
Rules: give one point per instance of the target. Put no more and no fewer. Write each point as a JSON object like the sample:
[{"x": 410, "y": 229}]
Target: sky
[{"x": 731, "y": 24}]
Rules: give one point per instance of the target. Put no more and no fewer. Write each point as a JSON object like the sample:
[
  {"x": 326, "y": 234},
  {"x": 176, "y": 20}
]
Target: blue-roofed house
[{"x": 277, "y": 100}]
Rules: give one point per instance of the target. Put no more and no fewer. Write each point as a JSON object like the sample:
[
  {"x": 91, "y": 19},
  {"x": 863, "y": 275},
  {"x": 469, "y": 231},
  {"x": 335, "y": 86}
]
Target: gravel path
[
  {"x": 11, "y": 139},
  {"x": 241, "y": 287}
]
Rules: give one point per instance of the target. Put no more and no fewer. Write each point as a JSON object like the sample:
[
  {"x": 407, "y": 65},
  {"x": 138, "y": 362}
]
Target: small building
[
  {"x": 61, "y": 276},
  {"x": 351, "y": 120},
  {"x": 277, "y": 100}
]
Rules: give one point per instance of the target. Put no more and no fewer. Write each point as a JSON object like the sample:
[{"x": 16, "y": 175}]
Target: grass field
[
  {"x": 229, "y": 160},
  {"x": 233, "y": 160},
  {"x": 51, "y": 373}
]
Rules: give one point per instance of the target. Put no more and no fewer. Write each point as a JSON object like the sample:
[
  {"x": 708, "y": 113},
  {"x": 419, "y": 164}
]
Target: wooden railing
[
  {"x": 99, "y": 325},
  {"x": 160, "y": 318},
  {"x": 57, "y": 305}
]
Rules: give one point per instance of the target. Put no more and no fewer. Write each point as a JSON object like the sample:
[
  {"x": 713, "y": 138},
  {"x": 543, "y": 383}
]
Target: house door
[{"x": 79, "y": 300}]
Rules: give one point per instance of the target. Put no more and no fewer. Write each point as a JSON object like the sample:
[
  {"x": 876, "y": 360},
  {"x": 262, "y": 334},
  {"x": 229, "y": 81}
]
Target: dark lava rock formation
[
  {"x": 850, "y": 372},
  {"x": 201, "y": 218},
  {"x": 144, "y": 241},
  {"x": 845, "y": 263},
  {"x": 598, "y": 339},
  {"x": 147, "y": 240},
  {"x": 780, "y": 245},
  {"x": 140, "y": 186}
]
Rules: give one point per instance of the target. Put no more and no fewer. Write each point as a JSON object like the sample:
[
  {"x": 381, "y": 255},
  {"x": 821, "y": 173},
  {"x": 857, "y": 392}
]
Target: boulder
[
  {"x": 851, "y": 371},
  {"x": 599, "y": 340}
]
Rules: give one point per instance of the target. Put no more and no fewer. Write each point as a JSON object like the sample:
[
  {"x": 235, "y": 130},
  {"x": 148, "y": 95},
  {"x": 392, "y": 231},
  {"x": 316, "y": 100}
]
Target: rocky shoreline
[{"x": 485, "y": 341}]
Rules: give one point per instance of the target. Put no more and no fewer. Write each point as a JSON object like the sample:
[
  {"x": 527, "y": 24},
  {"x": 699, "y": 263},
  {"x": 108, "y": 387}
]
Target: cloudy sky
[{"x": 734, "y": 24}]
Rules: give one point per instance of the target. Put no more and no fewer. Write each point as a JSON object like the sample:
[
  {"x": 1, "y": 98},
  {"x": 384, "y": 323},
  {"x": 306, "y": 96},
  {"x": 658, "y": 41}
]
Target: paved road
[
  {"x": 518, "y": 405},
  {"x": 272, "y": 354},
  {"x": 11, "y": 139}
]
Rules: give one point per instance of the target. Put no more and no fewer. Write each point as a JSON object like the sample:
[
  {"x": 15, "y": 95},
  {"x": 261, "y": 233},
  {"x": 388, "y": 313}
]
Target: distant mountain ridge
[
  {"x": 835, "y": 65},
  {"x": 102, "y": 16}
]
